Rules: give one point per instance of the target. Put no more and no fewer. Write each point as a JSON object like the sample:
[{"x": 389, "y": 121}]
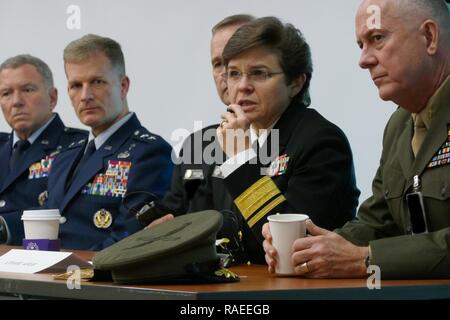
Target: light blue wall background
[{"x": 166, "y": 45}]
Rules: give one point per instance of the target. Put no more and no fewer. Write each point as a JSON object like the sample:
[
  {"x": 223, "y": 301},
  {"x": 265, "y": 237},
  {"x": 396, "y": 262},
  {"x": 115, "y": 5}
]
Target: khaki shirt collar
[{"x": 427, "y": 113}]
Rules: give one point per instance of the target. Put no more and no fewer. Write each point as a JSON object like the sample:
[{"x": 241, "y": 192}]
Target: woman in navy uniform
[{"x": 304, "y": 164}]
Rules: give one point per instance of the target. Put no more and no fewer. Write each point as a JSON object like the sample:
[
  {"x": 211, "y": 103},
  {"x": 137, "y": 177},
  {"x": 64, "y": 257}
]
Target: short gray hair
[
  {"x": 231, "y": 21},
  {"x": 23, "y": 59},
  {"x": 91, "y": 44},
  {"x": 430, "y": 9}
]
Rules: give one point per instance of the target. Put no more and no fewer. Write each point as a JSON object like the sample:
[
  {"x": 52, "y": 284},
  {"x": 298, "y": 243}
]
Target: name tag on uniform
[
  {"x": 112, "y": 183},
  {"x": 193, "y": 174},
  {"x": 278, "y": 166},
  {"x": 42, "y": 168}
]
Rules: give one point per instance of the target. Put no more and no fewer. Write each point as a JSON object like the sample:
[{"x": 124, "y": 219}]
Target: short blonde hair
[{"x": 91, "y": 44}]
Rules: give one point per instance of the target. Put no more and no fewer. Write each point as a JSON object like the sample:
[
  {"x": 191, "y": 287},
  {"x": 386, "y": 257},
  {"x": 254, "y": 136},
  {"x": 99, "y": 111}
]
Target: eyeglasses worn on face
[{"x": 257, "y": 75}]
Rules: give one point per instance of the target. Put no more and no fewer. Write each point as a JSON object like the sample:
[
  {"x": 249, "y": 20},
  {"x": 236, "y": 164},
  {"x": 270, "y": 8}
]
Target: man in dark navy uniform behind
[
  {"x": 195, "y": 186},
  {"x": 28, "y": 98},
  {"x": 90, "y": 178}
]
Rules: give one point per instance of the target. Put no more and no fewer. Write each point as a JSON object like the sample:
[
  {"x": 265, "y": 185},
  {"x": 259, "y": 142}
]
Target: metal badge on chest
[{"x": 103, "y": 219}]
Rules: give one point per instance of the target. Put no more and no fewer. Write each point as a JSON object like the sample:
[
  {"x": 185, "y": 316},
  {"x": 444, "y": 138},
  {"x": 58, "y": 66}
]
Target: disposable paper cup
[
  {"x": 41, "y": 224},
  {"x": 285, "y": 229}
]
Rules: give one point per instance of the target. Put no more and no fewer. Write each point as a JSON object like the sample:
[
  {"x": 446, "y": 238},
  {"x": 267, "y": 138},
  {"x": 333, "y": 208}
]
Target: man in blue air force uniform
[
  {"x": 27, "y": 98},
  {"x": 90, "y": 179}
]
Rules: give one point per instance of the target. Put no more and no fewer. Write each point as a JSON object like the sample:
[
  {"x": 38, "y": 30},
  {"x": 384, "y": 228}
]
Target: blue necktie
[
  {"x": 20, "y": 147},
  {"x": 87, "y": 154}
]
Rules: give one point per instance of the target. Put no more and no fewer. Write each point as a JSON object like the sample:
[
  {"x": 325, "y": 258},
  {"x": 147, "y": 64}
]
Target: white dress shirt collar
[
  {"x": 102, "y": 137},
  {"x": 35, "y": 134}
]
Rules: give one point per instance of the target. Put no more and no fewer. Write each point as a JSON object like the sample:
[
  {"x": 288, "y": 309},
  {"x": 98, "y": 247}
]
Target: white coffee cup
[
  {"x": 41, "y": 224},
  {"x": 285, "y": 229}
]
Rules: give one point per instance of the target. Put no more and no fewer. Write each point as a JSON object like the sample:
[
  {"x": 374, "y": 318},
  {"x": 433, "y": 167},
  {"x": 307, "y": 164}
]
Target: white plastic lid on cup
[
  {"x": 288, "y": 217},
  {"x": 41, "y": 224},
  {"x": 47, "y": 214},
  {"x": 285, "y": 229}
]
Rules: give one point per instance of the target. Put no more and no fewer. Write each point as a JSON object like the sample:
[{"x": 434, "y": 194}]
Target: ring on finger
[{"x": 304, "y": 268}]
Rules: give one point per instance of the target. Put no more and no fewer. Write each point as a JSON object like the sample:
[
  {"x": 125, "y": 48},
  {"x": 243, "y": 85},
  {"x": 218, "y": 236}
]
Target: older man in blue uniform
[
  {"x": 27, "y": 98},
  {"x": 90, "y": 179}
]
